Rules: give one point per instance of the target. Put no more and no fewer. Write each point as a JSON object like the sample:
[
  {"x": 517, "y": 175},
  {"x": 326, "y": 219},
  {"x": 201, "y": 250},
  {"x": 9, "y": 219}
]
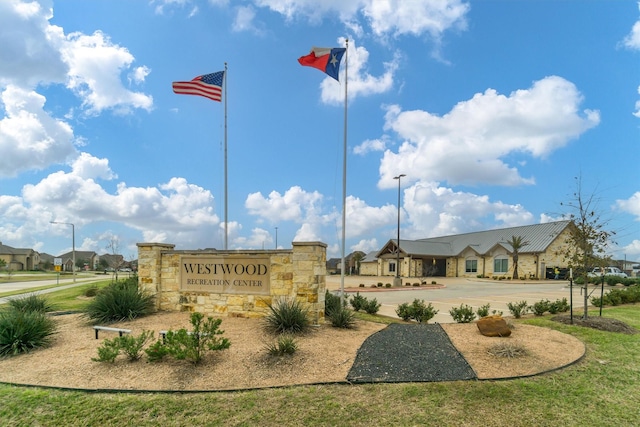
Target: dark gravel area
[{"x": 409, "y": 353}]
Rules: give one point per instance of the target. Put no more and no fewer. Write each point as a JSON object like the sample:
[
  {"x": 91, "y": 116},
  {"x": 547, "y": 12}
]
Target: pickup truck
[{"x": 607, "y": 271}]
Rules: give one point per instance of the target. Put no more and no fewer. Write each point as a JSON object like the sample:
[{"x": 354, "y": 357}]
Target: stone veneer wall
[{"x": 297, "y": 273}]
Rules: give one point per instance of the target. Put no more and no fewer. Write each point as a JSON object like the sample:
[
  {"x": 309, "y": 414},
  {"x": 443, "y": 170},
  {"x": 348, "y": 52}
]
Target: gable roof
[
  {"x": 8, "y": 250},
  {"x": 538, "y": 236}
]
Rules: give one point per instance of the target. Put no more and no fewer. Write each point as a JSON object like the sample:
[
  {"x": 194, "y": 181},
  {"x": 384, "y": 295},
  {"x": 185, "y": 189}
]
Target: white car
[{"x": 607, "y": 271}]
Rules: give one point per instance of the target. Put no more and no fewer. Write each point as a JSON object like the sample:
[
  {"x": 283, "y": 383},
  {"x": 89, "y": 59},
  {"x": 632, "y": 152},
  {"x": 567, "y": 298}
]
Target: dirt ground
[{"x": 324, "y": 355}]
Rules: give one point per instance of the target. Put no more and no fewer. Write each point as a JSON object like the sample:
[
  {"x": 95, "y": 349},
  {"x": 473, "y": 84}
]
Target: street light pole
[
  {"x": 73, "y": 242},
  {"x": 398, "y": 281}
]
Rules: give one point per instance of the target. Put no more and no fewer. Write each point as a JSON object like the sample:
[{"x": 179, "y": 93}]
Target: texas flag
[{"x": 325, "y": 59}]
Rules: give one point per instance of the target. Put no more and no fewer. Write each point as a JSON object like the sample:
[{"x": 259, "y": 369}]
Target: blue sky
[{"x": 490, "y": 108}]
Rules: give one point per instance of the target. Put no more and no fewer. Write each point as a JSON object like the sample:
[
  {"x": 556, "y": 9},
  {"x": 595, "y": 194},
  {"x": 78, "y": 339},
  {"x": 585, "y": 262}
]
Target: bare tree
[
  {"x": 516, "y": 243},
  {"x": 118, "y": 260},
  {"x": 588, "y": 236}
]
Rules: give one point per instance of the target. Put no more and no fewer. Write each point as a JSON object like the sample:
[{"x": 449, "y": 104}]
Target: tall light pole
[
  {"x": 398, "y": 281},
  {"x": 276, "y": 237},
  {"x": 73, "y": 242}
]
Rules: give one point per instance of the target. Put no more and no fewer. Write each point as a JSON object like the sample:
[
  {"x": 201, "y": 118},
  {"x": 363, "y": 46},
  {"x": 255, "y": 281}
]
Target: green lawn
[{"x": 601, "y": 390}]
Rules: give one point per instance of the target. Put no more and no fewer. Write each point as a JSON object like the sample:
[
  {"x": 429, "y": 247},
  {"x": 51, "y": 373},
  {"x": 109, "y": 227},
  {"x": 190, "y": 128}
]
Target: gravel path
[{"x": 409, "y": 353}]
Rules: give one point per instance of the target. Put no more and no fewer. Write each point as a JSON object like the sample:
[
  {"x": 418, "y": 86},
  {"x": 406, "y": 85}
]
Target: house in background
[
  {"x": 369, "y": 264},
  {"x": 88, "y": 259},
  {"x": 479, "y": 254},
  {"x": 110, "y": 261},
  {"x": 352, "y": 263},
  {"x": 19, "y": 259}
]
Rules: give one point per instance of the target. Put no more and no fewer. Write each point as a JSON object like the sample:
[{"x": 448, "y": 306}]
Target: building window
[
  {"x": 471, "y": 266},
  {"x": 500, "y": 265},
  {"x": 392, "y": 267}
]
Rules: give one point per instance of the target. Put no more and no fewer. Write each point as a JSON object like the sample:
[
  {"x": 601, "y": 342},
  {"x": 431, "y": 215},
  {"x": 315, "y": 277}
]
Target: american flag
[{"x": 207, "y": 85}]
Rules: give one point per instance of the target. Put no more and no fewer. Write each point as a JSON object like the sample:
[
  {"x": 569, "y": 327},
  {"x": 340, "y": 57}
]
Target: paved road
[
  {"x": 26, "y": 286},
  {"x": 457, "y": 291}
]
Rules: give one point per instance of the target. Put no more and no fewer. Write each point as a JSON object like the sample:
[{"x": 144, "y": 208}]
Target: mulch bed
[
  {"x": 409, "y": 353},
  {"x": 596, "y": 322}
]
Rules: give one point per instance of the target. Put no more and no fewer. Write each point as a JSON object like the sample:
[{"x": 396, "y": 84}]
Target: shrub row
[
  {"x": 629, "y": 295},
  {"x": 192, "y": 345},
  {"x": 417, "y": 310}
]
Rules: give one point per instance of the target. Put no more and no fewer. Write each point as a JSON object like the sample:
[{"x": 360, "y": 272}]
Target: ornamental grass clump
[
  {"x": 508, "y": 350},
  {"x": 31, "y": 303},
  {"x": 342, "y": 318},
  {"x": 23, "y": 331},
  {"x": 287, "y": 316},
  {"x": 120, "y": 301},
  {"x": 285, "y": 344}
]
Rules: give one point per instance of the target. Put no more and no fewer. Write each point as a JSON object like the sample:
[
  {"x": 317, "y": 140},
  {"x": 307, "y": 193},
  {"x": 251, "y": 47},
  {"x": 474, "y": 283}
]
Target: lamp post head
[{"x": 399, "y": 176}]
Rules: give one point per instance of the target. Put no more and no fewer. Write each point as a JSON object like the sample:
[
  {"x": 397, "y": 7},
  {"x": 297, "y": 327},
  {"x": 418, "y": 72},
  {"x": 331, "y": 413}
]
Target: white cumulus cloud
[{"x": 468, "y": 145}]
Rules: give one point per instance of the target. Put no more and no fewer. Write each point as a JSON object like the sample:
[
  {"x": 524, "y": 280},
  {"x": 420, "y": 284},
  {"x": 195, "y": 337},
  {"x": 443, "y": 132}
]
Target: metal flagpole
[
  {"x": 226, "y": 184},
  {"x": 344, "y": 173}
]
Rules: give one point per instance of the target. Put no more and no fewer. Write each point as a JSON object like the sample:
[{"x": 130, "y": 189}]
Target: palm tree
[{"x": 516, "y": 243}]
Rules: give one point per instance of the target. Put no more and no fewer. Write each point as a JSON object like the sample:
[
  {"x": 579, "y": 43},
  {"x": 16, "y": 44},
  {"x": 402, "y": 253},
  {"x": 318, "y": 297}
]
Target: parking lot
[{"x": 457, "y": 291}]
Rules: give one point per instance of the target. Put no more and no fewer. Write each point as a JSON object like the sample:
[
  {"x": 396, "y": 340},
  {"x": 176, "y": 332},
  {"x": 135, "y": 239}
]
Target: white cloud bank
[{"x": 469, "y": 144}]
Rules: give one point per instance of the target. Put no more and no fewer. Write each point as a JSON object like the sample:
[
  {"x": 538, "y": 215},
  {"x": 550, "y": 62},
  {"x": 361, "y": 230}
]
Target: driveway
[{"x": 458, "y": 290}]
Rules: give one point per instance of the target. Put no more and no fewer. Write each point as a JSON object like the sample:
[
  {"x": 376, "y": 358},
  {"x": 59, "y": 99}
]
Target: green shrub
[
  {"x": 388, "y": 285},
  {"x": 559, "y": 306},
  {"x": 357, "y": 302},
  {"x": 287, "y": 316},
  {"x": 23, "y": 331},
  {"x": 132, "y": 346},
  {"x": 462, "y": 314},
  {"x": 332, "y": 303},
  {"x": 372, "y": 306},
  {"x": 30, "y": 303},
  {"x": 91, "y": 291},
  {"x": 540, "y": 307},
  {"x": 417, "y": 311},
  {"x": 518, "y": 309},
  {"x": 156, "y": 351},
  {"x": 483, "y": 310},
  {"x": 596, "y": 301},
  {"x": 190, "y": 345},
  {"x": 120, "y": 301},
  {"x": 108, "y": 351},
  {"x": 627, "y": 295},
  {"x": 403, "y": 311},
  {"x": 284, "y": 344}
]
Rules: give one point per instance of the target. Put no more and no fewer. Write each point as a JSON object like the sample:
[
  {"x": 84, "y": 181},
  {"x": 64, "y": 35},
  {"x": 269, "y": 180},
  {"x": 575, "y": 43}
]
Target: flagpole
[
  {"x": 344, "y": 173},
  {"x": 226, "y": 183}
]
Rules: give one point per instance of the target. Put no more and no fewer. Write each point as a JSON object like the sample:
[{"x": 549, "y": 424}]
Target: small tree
[
  {"x": 588, "y": 237},
  {"x": 516, "y": 243}
]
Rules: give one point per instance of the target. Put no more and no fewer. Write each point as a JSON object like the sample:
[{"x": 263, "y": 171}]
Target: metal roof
[{"x": 538, "y": 237}]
